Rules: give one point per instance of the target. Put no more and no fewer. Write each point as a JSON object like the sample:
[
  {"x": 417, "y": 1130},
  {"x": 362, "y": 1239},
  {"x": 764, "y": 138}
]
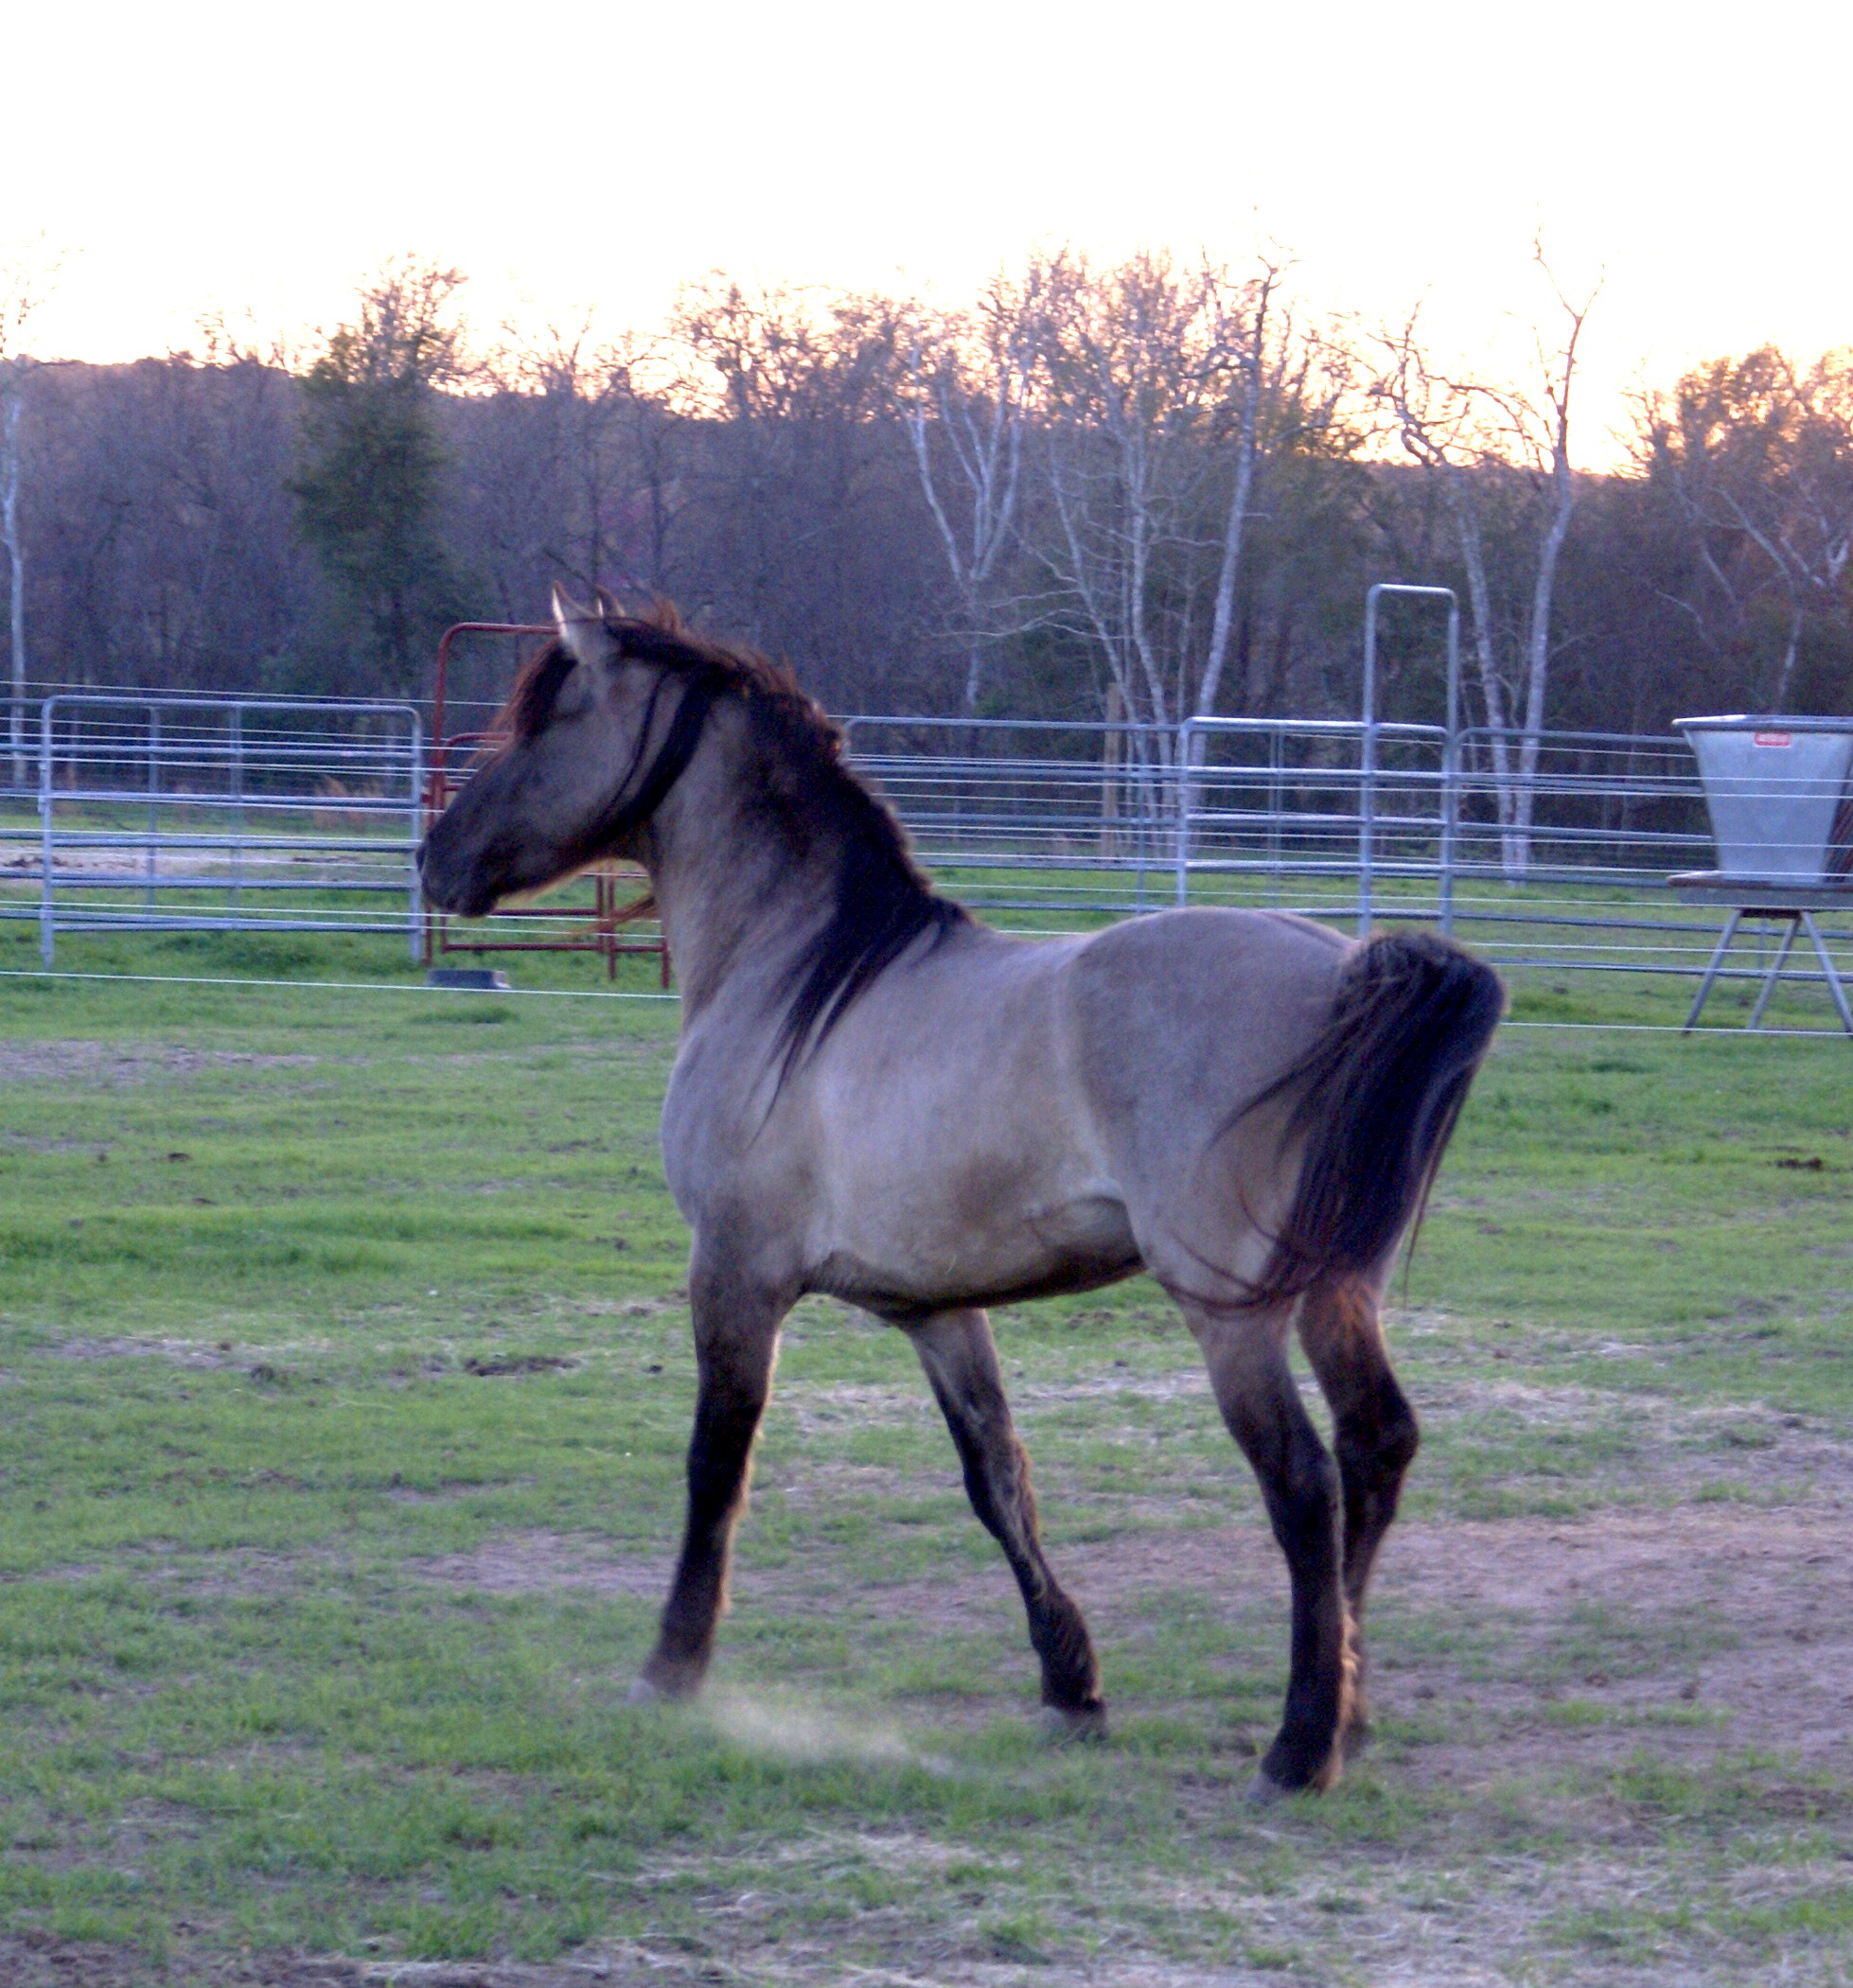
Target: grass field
[{"x": 344, "y": 1360}]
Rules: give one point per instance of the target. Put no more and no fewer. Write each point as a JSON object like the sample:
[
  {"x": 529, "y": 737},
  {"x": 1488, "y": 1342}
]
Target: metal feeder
[{"x": 1779, "y": 792}]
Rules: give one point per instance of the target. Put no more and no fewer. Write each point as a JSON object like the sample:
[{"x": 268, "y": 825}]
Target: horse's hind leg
[
  {"x": 1375, "y": 1435},
  {"x": 960, "y": 1359},
  {"x": 1245, "y": 1352},
  {"x": 736, "y": 1337}
]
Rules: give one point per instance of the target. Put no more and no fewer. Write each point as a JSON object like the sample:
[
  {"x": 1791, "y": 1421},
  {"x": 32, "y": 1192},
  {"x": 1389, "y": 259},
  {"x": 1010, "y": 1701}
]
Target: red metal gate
[{"x": 619, "y": 920}]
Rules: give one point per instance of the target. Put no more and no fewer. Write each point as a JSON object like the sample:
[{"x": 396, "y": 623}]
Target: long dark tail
[{"x": 1375, "y": 1100}]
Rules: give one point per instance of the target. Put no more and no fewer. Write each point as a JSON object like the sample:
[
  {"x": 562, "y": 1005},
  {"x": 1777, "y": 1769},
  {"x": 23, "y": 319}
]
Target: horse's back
[{"x": 1215, "y": 1003}]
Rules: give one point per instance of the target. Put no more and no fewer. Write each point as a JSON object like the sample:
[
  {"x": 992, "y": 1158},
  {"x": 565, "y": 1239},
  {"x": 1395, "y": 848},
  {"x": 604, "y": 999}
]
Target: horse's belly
[{"x": 969, "y": 1247}]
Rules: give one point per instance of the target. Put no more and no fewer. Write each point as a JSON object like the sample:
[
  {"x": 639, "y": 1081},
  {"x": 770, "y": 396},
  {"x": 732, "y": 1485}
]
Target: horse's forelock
[{"x": 537, "y": 689}]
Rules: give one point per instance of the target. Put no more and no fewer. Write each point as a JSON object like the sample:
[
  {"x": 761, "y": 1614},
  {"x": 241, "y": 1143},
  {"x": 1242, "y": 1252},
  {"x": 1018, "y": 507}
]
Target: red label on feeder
[{"x": 1776, "y": 738}]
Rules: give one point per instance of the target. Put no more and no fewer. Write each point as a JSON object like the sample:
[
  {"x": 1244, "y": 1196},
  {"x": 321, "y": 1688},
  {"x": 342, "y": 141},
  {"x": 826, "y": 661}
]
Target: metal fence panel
[{"x": 211, "y": 814}]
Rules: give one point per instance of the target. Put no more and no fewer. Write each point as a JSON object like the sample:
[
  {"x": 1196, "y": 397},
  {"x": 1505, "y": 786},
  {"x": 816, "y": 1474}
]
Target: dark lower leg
[
  {"x": 1302, "y": 1504},
  {"x": 1375, "y": 1435},
  {"x": 736, "y": 1339},
  {"x": 960, "y": 1359},
  {"x": 1299, "y": 1485}
]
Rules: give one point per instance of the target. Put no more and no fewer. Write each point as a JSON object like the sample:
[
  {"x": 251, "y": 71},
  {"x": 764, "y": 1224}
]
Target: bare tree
[
  {"x": 970, "y": 375},
  {"x": 1286, "y": 390},
  {"x": 25, "y": 280},
  {"x": 571, "y": 425},
  {"x": 1483, "y": 440},
  {"x": 1239, "y": 320},
  {"x": 1126, "y": 383},
  {"x": 800, "y": 470},
  {"x": 1170, "y": 393},
  {"x": 1759, "y": 456}
]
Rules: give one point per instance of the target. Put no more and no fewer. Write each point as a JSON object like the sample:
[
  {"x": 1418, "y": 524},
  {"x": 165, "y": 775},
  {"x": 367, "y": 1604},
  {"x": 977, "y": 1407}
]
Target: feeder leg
[
  {"x": 1834, "y": 984},
  {"x": 1717, "y": 960},
  {"x": 1775, "y": 970}
]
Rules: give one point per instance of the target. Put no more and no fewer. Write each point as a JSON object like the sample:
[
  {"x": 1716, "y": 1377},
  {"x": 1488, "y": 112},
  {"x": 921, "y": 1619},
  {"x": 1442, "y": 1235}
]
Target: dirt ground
[
  {"x": 1740, "y": 1636},
  {"x": 1774, "y": 1589},
  {"x": 26, "y": 1964}
]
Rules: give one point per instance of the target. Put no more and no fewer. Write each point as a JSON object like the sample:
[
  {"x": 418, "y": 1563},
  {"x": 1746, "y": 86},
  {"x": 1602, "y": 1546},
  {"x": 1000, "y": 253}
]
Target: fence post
[
  {"x": 1110, "y": 742},
  {"x": 1275, "y": 750},
  {"x": 47, "y": 910},
  {"x": 414, "y": 813},
  {"x": 1367, "y": 752},
  {"x": 1451, "y": 768},
  {"x": 1186, "y": 737},
  {"x": 1368, "y": 765},
  {"x": 153, "y": 815},
  {"x": 237, "y": 727}
]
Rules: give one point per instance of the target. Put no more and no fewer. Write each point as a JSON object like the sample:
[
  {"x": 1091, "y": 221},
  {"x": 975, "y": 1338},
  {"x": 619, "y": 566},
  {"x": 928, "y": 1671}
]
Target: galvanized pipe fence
[
  {"x": 1553, "y": 853},
  {"x": 179, "y": 814},
  {"x": 258, "y": 815}
]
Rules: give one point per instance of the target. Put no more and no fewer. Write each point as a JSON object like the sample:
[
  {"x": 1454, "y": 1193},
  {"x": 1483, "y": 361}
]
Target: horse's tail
[{"x": 1374, "y": 1102}]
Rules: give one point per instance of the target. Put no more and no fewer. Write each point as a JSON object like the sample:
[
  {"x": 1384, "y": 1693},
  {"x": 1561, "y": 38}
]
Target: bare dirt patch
[
  {"x": 1717, "y": 1627},
  {"x": 42, "y": 1961},
  {"x": 494, "y": 1365},
  {"x": 113, "y": 1065},
  {"x": 1740, "y": 1613},
  {"x": 241, "y": 1572},
  {"x": 535, "y": 1562},
  {"x": 183, "y": 1352},
  {"x": 228, "y": 1570}
]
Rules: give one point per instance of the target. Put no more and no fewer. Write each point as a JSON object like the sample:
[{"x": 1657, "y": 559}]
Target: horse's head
[{"x": 594, "y": 736}]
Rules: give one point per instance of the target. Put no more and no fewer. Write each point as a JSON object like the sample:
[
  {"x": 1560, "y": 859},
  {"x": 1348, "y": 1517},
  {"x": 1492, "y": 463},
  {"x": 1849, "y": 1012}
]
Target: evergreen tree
[{"x": 370, "y": 466}]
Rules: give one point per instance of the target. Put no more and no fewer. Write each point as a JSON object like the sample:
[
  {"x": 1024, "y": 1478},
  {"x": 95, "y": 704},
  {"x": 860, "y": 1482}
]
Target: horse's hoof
[
  {"x": 651, "y": 1691},
  {"x": 1264, "y": 1791},
  {"x": 1065, "y": 1726}
]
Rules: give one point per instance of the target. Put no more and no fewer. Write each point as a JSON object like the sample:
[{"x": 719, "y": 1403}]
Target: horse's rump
[{"x": 1373, "y": 1104}]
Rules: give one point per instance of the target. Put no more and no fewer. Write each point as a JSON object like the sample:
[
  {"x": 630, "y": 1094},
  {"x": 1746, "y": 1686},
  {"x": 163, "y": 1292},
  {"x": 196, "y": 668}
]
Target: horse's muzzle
[{"x": 459, "y": 888}]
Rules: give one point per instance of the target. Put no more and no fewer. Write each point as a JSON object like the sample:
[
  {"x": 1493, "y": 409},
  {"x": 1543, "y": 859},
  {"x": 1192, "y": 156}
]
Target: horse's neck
[{"x": 736, "y": 901}]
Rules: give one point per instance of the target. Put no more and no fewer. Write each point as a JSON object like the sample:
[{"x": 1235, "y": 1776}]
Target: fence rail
[{"x": 196, "y": 814}]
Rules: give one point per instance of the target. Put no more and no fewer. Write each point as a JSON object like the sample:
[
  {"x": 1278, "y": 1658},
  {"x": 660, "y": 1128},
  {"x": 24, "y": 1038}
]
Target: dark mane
[{"x": 880, "y": 899}]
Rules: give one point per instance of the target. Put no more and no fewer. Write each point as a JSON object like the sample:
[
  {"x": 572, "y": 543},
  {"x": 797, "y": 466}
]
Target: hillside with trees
[{"x": 1153, "y": 488}]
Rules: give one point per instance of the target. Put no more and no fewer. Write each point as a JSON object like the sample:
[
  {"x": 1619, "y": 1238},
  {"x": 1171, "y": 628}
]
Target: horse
[{"x": 879, "y": 1096}]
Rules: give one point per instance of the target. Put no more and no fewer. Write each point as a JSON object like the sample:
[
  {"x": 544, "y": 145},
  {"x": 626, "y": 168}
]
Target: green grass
[{"x": 344, "y": 1361}]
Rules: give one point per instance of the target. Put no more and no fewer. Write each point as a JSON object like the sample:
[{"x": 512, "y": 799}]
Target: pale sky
[{"x": 261, "y": 159}]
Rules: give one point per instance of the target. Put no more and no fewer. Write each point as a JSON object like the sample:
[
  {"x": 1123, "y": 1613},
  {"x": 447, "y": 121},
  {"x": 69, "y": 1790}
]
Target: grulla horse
[{"x": 879, "y": 1096}]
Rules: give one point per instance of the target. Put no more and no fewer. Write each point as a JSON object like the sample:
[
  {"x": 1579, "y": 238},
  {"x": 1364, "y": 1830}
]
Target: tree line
[{"x": 1142, "y": 490}]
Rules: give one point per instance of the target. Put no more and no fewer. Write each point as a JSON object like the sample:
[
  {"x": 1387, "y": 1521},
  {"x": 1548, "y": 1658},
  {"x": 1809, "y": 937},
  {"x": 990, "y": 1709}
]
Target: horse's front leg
[
  {"x": 737, "y": 1338},
  {"x": 1247, "y": 1356},
  {"x": 960, "y": 1359}
]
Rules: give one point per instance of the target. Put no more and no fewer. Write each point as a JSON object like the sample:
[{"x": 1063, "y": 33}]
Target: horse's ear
[
  {"x": 608, "y": 603},
  {"x": 583, "y": 630}
]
